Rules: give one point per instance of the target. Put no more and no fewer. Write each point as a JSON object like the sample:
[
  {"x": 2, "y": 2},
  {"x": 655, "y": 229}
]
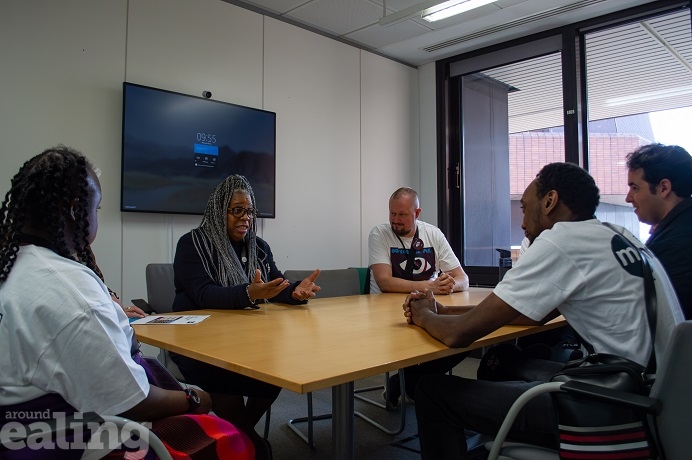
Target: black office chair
[
  {"x": 333, "y": 283},
  {"x": 336, "y": 283},
  {"x": 160, "y": 296},
  {"x": 668, "y": 406},
  {"x": 365, "y": 273}
]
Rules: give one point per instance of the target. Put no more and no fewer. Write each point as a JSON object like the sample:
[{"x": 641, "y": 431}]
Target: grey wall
[{"x": 348, "y": 129}]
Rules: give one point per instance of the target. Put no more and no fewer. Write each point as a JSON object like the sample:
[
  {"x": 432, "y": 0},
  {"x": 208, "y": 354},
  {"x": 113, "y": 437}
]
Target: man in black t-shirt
[{"x": 660, "y": 185}]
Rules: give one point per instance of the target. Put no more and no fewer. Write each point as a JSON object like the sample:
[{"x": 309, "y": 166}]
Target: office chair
[
  {"x": 365, "y": 273},
  {"x": 333, "y": 283},
  {"x": 336, "y": 283},
  {"x": 668, "y": 407},
  {"x": 160, "y": 296},
  {"x": 99, "y": 445}
]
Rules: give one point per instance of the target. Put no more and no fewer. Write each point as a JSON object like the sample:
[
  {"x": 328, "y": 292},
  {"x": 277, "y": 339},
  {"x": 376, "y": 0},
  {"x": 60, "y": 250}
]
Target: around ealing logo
[{"x": 36, "y": 430}]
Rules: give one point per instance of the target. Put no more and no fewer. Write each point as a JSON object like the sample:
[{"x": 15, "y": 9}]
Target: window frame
[{"x": 575, "y": 112}]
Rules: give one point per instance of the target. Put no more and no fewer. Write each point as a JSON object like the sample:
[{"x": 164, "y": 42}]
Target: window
[
  {"x": 510, "y": 111},
  {"x": 640, "y": 84}
]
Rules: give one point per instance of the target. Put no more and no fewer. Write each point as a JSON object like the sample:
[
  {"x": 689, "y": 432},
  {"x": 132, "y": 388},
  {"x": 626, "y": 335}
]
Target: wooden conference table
[{"x": 327, "y": 343}]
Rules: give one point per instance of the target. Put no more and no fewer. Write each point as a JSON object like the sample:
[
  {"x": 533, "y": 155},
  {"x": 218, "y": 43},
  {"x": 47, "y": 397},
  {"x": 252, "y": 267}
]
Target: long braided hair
[
  {"x": 39, "y": 201},
  {"x": 213, "y": 244}
]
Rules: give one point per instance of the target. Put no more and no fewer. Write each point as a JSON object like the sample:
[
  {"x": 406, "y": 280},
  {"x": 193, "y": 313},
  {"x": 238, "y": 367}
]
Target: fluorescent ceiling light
[
  {"x": 451, "y": 8},
  {"x": 407, "y": 13},
  {"x": 650, "y": 96}
]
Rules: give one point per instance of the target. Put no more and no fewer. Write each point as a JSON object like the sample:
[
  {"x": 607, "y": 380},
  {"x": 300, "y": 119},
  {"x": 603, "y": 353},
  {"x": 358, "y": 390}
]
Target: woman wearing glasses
[{"x": 223, "y": 264}]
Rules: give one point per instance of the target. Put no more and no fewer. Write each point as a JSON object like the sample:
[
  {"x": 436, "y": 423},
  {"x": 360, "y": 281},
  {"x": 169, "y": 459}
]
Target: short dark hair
[
  {"x": 658, "y": 162},
  {"x": 574, "y": 185}
]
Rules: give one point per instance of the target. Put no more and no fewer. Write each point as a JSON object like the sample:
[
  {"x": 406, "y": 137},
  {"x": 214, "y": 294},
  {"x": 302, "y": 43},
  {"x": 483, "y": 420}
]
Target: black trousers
[
  {"x": 439, "y": 366},
  {"x": 446, "y": 405}
]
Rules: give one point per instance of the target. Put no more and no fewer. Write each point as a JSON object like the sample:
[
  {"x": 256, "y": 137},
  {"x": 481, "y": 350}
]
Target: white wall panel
[
  {"x": 389, "y": 140},
  {"x": 188, "y": 47},
  {"x": 313, "y": 83},
  {"x": 428, "y": 143},
  {"x": 60, "y": 77}
]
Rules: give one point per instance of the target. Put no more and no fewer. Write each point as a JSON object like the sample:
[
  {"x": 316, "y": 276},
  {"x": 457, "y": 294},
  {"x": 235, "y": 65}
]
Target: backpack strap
[{"x": 650, "y": 298}]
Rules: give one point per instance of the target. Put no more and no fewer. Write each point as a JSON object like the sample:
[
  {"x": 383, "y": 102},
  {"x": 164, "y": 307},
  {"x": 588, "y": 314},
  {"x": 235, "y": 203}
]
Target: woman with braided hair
[
  {"x": 223, "y": 264},
  {"x": 66, "y": 346}
]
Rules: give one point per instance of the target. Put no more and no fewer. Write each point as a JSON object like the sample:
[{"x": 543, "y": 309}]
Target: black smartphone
[{"x": 143, "y": 304}]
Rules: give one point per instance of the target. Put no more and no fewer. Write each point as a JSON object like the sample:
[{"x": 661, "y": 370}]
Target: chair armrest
[
  {"x": 649, "y": 405},
  {"x": 518, "y": 405},
  {"x": 127, "y": 428}
]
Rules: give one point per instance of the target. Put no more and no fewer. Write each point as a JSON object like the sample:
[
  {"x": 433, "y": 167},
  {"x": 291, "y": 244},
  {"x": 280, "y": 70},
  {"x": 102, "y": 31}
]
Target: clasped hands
[
  {"x": 261, "y": 290},
  {"x": 443, "y": 284},
  {"x": 416, "y": 303}
]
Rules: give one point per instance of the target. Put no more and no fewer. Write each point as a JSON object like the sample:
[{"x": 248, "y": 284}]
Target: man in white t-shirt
[
  {"x": 574, "y": 267},
  {"x": 432, "y": 264},
  {"x": 407, "y": 255}
]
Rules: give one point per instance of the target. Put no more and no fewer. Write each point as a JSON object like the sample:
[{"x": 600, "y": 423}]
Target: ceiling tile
[
  {"x": 338, "y": 17},
  {"x": 378, "y": 36},
  {"x": 277, "y": 6}
]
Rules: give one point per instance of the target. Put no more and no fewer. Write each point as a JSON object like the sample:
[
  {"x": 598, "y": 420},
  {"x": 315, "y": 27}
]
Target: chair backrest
[
  {"x": 333, "y": 283},
  {"x": 364, "y": 274},
  {"x": 672, "y": 388},
  {"x": 160, "y": 287}
]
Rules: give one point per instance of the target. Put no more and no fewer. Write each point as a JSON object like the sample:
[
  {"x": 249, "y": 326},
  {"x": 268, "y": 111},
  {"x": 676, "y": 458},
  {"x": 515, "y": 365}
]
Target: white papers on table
[{"x": 171, "y": 319}]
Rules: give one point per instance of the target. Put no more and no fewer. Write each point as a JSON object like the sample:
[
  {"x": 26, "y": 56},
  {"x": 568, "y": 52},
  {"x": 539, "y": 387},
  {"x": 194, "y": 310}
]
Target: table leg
[{"x": 342, "y": 422}]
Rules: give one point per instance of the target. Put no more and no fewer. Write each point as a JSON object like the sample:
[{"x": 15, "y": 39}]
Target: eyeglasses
[{"x": 240, "y": 212}]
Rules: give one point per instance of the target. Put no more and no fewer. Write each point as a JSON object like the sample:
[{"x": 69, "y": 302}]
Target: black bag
[
  {"x": 597, "y": 429},
  {"x": 538, "y": 362}
]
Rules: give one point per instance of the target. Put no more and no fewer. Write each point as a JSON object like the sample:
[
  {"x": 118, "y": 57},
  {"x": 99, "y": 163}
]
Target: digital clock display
[{"x": 205, "y": 138}]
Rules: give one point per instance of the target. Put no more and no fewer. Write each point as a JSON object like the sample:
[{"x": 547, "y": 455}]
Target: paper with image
[{"x": 171, "y": 319}]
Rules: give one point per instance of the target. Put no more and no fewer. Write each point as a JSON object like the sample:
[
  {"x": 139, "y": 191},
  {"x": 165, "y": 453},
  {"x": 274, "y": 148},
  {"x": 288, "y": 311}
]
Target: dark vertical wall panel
[{"x": 485, "y": 170}]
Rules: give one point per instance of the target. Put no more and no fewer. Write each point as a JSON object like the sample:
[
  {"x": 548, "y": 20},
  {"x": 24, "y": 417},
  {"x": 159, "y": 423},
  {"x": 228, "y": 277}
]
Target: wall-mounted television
[{"x": 177, "y": 148}]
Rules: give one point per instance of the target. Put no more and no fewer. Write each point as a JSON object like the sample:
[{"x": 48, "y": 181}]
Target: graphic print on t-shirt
[
  {"x": 423, "y": 263},
  {"x": 627, "y": 255}
]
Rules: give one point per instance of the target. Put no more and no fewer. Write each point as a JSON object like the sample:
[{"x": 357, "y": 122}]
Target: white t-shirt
[
  {"x": 60, "y": 332},
  {"x": 576, "y": 267},
  {"x": 385, "y": 248}
]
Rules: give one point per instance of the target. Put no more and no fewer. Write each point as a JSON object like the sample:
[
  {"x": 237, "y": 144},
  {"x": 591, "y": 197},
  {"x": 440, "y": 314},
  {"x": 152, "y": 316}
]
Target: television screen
[{"x": 177, "y": 148}]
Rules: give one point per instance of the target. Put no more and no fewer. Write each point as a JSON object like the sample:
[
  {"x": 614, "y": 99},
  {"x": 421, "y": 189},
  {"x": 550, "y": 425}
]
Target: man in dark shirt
[{"x": 660, "y": 185}]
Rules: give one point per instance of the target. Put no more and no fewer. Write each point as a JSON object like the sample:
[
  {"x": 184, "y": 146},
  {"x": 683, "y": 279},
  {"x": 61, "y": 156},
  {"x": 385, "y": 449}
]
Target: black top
[
  {"x": 671, "y": 243},
  {"x": 196, "y": 290}
]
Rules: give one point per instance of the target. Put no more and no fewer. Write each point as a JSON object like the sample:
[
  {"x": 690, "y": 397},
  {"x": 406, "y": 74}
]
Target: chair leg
[
  {"x": 311, "y": 418},
  {"x": 267, "y": 419},
  {"x": 309, "y": 439},
  {"x": 402, "y": 408}
]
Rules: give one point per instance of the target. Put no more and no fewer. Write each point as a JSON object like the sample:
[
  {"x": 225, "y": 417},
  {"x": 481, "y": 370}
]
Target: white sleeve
[
  {"x": 378, "y": 248},
  {"x": 90, "y": 365},
  {"x": 542, "y": 279}
]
